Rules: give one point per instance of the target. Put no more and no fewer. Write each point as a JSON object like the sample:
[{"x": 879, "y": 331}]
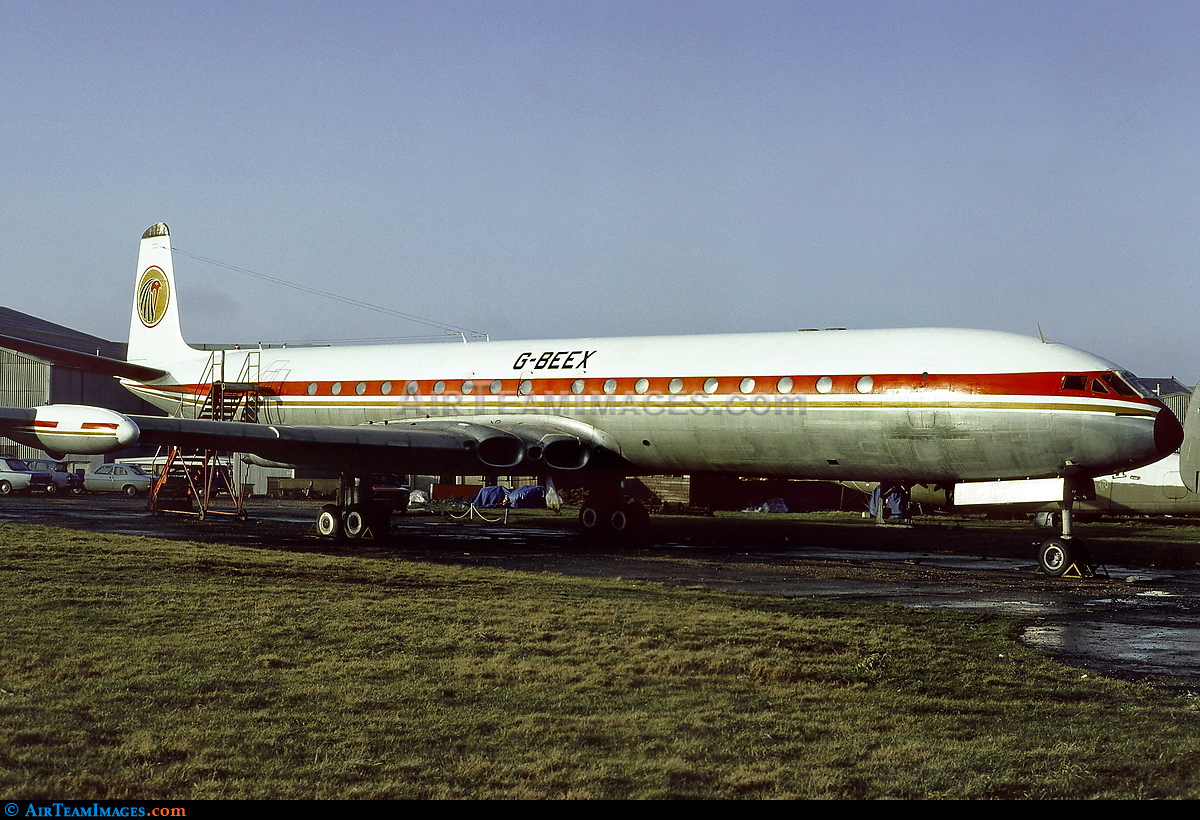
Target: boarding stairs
[{"x": 191, "y": 480}]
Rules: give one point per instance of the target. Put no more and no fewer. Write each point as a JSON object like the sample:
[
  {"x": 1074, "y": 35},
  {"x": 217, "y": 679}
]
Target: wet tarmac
[{"x": 1138, "y": 623}]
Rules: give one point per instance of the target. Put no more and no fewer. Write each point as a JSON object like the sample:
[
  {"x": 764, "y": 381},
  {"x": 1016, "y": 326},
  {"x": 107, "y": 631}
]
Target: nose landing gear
[
  {"x": 1058, "y": 557},
  {"x": 1067, "y": 555}
]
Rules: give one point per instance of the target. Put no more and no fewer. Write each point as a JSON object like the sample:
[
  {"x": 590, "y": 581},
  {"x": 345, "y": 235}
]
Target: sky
[{"x": 559, "y": 169}]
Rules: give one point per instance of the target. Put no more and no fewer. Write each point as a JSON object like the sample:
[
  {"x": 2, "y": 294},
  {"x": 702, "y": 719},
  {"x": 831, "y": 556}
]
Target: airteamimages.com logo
[
  {"x": 647, "y": 404},
  {"x": 81, "y": 809}
]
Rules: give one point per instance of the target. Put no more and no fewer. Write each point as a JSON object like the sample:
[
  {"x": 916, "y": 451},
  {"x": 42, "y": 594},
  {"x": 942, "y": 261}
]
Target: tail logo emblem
[{"x": 153, "y": 296}]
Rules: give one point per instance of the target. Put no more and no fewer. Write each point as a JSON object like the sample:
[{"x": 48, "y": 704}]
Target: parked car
[
  {"x": 64, "y": 480},
  {"x": 118, "y": 478},
  {"x": 16, "y": 477},
  {"x": 390, "y": 491}
]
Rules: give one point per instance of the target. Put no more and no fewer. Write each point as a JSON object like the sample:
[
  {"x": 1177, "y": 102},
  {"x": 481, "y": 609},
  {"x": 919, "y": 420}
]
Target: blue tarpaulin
[
  {"x": 491, "y": 497},
  {"x": 532, "y": 497},
  {"x": 521, "y": 498},
  {"x": 892, "y": 498}
]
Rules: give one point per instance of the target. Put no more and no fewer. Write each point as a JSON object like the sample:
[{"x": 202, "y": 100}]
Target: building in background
[{"x": 27, "y": 381}]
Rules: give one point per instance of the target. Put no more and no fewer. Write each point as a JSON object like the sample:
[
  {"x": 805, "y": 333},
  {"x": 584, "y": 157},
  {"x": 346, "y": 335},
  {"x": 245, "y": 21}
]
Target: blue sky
[{"x": 545, "y": 169}]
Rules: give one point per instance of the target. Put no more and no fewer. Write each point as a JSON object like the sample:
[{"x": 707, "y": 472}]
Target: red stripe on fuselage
[{"x": 1044, "y": 384}]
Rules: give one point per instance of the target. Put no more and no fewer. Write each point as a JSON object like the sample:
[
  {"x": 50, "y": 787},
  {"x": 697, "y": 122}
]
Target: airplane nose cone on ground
[{"x": 1168, "y": 433}]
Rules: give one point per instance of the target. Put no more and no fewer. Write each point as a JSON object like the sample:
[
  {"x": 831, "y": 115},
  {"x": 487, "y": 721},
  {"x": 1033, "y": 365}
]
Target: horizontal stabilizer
[{"x": 91, "y": 362}]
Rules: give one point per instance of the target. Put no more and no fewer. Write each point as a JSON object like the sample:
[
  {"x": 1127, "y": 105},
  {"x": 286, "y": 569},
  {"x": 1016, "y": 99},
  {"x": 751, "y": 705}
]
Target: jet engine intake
[
  {"x": 565, "y": 452},
  {"x": 501, "y": 451}
]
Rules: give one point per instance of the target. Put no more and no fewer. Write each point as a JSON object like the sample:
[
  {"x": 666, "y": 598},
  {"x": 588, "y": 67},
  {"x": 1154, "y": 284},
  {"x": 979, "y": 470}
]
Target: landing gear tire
[
  {"x": 628, "y": 520},
  {"x": 624, "y": 521},
  {"x": 619, "y": 521},
  {"x": 355, "y": 523},
  {"x": 329, "y": 521},
  {"x": 1057, "y": 555},
  {"x": 366, "y": 520},
  {"x": 592, "y": 519}
]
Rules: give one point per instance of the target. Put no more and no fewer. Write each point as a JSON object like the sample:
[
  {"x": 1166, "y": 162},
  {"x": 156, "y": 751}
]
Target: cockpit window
[
  {"x": 1118, "y": 385},
  {"x": 1134, "y": 382},
  {"x": 1119, "y": 382}
]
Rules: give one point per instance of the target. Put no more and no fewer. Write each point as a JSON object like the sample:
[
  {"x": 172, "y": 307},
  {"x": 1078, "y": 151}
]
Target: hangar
[{"x": 29, "y": 381}]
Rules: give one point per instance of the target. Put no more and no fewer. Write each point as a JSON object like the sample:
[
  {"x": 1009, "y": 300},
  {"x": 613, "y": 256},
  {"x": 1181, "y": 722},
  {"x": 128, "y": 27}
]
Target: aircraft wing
[{"x": 463, "y": 446}]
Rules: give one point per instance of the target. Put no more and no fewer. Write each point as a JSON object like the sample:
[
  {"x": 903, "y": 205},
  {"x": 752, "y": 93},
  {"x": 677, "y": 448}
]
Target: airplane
[
  {"x": 1152, "y": 489},
  {"x": 907, "y": 406}
]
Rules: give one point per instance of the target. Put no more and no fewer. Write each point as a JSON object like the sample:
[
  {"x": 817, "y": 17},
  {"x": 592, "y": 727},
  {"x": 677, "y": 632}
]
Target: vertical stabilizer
[
  {"x": 1189, "y": 453},
  {"x": 155, "y": 338}
]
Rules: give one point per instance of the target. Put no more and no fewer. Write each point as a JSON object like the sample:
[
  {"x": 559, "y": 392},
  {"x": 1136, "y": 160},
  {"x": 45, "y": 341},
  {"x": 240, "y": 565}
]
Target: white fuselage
[{"x": 904, "y": 405}]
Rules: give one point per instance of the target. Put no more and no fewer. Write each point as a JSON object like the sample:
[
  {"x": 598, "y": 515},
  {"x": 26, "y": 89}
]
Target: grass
[{"x": 137, "y": 668}]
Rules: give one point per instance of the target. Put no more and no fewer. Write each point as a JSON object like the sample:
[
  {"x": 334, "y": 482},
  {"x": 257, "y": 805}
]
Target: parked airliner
[
  {"x": 1152, "y": 489},
  {"x": 904, "y": 406}
]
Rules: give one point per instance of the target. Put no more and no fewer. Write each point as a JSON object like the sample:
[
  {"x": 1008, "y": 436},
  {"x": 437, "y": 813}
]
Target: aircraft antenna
[
  {"x": 448, "y": 329},
  {"x": 1041, "y": 335}
]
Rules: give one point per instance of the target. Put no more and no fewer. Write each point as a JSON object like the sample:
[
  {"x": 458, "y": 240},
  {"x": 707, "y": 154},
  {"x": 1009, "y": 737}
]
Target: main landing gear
[
  {"x": 606, "y": 513},
  {"x": 357, "y": 514},
  {"x": 625, "y": 519}
]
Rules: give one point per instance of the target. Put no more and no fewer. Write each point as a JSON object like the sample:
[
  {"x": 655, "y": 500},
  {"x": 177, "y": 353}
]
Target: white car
[
  {"x": 16, "y": 477},
  {"x": 118, "y": 478}
]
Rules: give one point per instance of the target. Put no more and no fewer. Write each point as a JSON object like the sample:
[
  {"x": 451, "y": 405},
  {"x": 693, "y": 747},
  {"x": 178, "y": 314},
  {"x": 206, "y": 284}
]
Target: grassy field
[{"x": 136, "y": 668}]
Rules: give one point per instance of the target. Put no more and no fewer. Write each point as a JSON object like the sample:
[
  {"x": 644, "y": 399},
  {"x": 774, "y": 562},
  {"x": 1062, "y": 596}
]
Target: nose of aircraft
[{"x": 1168, "y": 433}]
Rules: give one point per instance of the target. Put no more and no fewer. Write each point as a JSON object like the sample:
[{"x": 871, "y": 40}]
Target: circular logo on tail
[{"x": 153, "y": 295}]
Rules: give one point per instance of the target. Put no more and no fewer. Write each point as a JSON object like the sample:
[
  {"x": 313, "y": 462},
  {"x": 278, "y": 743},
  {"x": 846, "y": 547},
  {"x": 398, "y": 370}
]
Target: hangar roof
[
  {"x": 24, "y": 326},
  {"x": 1164, "y": 387}
]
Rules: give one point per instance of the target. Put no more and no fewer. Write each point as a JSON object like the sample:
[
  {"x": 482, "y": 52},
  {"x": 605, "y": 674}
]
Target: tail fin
[
  {"x": 1189, "y": 453},
  {"x": 155, "y": 338}
]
